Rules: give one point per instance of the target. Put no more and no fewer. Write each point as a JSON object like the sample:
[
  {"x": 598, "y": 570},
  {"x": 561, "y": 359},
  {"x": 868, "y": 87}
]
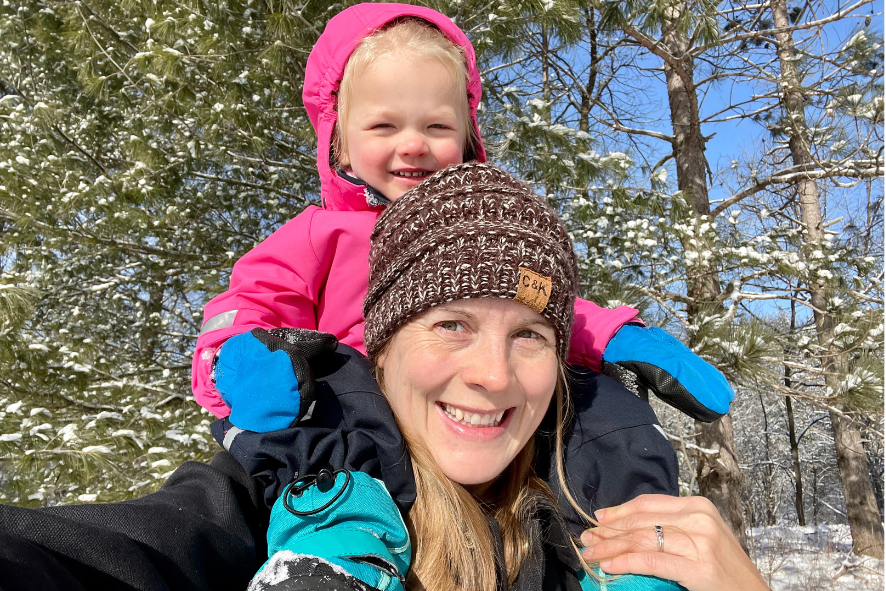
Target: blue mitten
[
  {"x": 667, "y": 367},
  {"x": 346, "y": 519},
  {"x": 625, "y": 583},
  {"x": 265, "y": 378}
]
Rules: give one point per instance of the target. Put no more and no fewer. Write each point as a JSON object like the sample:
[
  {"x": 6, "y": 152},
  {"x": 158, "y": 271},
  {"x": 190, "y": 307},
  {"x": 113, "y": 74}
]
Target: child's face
[{"x": 404, "y": 124}]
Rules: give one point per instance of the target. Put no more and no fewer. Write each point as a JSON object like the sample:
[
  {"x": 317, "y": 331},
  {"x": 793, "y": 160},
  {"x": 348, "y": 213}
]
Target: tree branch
[
  {"x": 839, "y": 15},
  {"x": 799, "y": 172},
  {"x": 116, "y": 242}
]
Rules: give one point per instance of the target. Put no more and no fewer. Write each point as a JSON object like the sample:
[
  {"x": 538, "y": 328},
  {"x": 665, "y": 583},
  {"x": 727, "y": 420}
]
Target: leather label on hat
[{"x": 533, "y": 290}]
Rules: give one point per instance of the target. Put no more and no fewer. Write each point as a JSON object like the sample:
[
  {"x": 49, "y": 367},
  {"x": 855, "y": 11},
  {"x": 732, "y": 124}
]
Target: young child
[
  {"x": 392, "y": 102},
  {"x": 399, "y": 108}
]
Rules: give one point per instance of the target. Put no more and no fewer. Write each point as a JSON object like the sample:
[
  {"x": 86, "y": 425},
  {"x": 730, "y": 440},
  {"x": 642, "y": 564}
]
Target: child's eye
[
  {"x": 441, "y": 126},
  {"x": 381, "y": 126}
]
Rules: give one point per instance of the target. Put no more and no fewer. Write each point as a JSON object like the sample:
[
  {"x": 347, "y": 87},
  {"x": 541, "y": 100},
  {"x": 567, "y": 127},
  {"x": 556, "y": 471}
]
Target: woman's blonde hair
[
  {"x": 406, "y": 38},
  {"x": 449, "y": 528}
]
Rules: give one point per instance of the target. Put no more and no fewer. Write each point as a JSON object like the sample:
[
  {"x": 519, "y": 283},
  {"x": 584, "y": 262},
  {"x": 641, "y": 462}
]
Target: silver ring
[{"x": 660, "y": 533}]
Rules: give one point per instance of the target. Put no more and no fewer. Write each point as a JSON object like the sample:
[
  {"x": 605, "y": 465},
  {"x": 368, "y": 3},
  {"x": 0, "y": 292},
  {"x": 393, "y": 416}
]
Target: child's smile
[
  {"x": 405, "y": 124},
  {"x": 412, "y": 174}
]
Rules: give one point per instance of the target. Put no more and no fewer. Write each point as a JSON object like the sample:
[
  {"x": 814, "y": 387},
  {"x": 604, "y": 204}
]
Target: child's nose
[{"x": 413, "y": 144}]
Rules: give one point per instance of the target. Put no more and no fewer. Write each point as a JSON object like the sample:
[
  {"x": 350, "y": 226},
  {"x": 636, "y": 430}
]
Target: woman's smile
[
  {"x": 477, "y": 427},
  {"x": 472, "y": 419}
]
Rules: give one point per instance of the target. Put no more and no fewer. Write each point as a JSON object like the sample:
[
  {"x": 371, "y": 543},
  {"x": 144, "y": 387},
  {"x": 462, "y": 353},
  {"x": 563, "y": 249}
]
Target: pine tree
[
  {"x": 144, "y": 146},
  {"x": 671, "y": 31},
  {"x": 863, "y": 514}
]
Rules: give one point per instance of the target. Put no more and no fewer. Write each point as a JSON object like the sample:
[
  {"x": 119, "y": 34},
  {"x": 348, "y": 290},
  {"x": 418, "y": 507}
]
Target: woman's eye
[
  {"x": 451, "y": 325},
  {"x": 528, "y": 334}
]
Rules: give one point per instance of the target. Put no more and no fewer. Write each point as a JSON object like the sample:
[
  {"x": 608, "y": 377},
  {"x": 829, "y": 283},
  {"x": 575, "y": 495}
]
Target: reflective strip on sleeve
[
  {"x": 310, "y": 412},
  {"x": 229, "y": 437},
  {"x": 223, "y": 320}
]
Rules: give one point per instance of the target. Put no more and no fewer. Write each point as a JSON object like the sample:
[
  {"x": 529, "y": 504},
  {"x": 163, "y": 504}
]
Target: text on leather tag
[{"x": 533, "y": 290}]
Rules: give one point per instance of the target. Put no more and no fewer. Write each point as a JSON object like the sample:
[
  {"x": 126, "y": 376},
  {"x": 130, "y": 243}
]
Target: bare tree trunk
[
  {"x": 814, "y": 495},
  {"x": 861, "y": 504},
  {"x": 719, "y": 476},
  {"x": 546, "y": 90},
  {"x": 795, "y": 454},
  {"x": 587, "y": 96},
  {"x": 768, "y": 485},
  {"x": 792, "y": 433},
  {"x": 584, "y": 110}
]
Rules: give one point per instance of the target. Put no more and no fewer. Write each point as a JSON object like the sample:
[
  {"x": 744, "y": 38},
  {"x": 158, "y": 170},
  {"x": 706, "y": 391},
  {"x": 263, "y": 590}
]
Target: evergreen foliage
[{"x": 145, "y": 145}]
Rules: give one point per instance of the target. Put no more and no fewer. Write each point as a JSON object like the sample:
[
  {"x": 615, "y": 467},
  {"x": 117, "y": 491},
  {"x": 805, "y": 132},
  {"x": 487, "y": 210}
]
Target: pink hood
[{"x": 324, "y": 71}]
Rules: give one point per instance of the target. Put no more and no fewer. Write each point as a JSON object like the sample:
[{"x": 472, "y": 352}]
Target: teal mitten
[
  {"x": 346, "y": 519},
  {"x": 625, "y": 583}
]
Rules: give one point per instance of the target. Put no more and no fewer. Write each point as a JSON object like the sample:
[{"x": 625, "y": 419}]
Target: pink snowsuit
[{"x": 313, "y": 272}]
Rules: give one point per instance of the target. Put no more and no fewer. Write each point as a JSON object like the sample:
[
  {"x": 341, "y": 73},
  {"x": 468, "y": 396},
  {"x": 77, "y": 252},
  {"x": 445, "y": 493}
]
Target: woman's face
[{"x": 472, "y": 380}]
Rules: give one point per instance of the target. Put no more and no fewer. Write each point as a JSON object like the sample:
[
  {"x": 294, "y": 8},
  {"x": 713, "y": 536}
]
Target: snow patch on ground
[{"x": 813, "y": 558}]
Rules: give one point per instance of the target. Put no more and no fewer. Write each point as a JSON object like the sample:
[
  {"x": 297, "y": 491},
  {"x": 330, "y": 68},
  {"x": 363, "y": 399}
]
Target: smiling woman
[
  {"x": 471, "y": 381},
  {"x": 468, "y": 315}
]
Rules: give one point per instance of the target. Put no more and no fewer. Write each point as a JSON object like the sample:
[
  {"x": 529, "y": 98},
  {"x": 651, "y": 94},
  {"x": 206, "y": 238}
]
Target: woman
[
  {"x": 468, "y": 313},
  {"x": 472, "y": 285},
  {"x": 471, "y": 293}
]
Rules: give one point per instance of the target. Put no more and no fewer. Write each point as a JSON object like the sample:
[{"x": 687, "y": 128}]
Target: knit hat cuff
[{"x": 473, "y": 264}]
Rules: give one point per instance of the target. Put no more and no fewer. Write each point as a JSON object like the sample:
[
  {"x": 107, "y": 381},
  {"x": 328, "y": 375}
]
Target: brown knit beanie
[{"x": 469, "y": 231}]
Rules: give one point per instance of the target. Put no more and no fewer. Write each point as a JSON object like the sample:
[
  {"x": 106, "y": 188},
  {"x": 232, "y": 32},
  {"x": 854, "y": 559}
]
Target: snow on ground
[{"x": 813, "y": 558}]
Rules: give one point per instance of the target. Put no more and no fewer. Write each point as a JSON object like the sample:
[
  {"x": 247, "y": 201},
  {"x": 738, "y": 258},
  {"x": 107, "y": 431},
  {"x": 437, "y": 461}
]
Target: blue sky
[{"x": 733, "y": 140}]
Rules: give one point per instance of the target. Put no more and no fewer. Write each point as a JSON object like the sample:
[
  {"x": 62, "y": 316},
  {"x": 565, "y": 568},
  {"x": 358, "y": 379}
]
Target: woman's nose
[{"x": 488, "y": 368}]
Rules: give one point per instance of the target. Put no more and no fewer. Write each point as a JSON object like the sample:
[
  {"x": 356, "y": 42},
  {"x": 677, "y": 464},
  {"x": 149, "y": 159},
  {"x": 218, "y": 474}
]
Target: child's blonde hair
[{"x": 407, "y": 38}]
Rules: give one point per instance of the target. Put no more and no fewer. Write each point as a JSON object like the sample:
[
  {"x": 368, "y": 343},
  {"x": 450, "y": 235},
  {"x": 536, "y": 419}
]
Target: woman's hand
[{"x": 698, "y": 549}]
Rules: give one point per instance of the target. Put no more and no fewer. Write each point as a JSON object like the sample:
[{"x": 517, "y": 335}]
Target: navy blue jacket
[
  {"x": 351, "y": 426},
  {"x": 206, "y": 527},
  {"x": 613, "y": 452}
]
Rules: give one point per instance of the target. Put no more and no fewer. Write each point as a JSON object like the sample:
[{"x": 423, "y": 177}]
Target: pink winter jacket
[{"x": 313, "y": 272}]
